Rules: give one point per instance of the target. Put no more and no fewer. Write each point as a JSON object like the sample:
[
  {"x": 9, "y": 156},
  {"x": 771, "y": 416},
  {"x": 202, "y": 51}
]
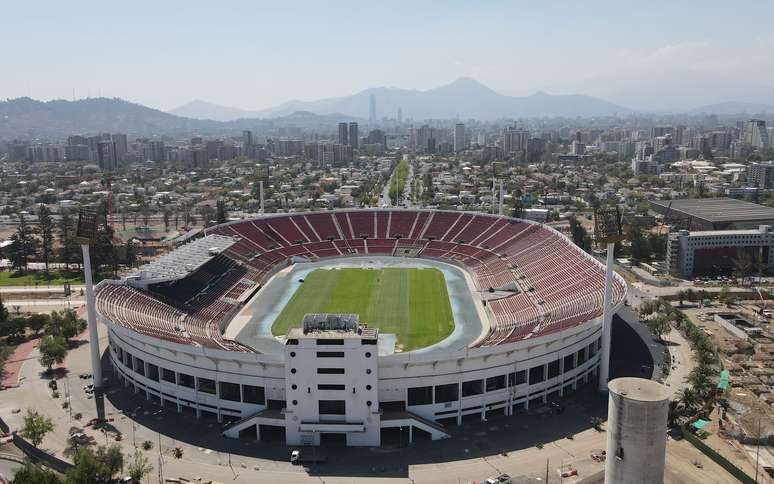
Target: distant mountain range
[
  {"x": 25, "y": 117},
  {"x": 733, "y": 107},
  {"x": 28, "y": 118},
  {"x": 198, "y": 109},
  {"x": 464, "y": 98}
]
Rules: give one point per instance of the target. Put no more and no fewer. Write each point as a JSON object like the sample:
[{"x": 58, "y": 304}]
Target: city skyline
[{"x": 256, "y": 57}]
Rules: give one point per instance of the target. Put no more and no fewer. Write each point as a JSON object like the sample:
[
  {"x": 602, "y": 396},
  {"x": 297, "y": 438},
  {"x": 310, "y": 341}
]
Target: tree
[
  {"x": 659, "y": 325},
  {"x": 69, "y": 252},
  {"x": 24, "y": 245},
  {"x": 52, "y": 350},
  {"x": 5, "y": 352},
  {"x": 46, "y": 232},
  {"x": 35, "y": 474},
  {"x": 130, "y": 253},
  {"x": 90, "y": 467},
  {"x": 640, "y": 250},
  {"x": 13, "y": 327},
  {"x": 65, "y": 323},
  {"x": 145, "y": 214},
  {"x": 207, "y": 213},
  {"x": 111, "y": 458},
  {"x": 657, "y": 243},
  {"x": 138, "y": 467},
  {"x": 222, "y": 213},
  {"x": 3, "y": 311},
  {"x": 649, "y": 306},
  {"x": 124, "y": 216},
  {"x": 167, "y": 214},
  {"x": 743, "y": 264},
  {"x": 579, "y": 235},
  {"x": 36, "y": 426},
  {"x": 689, "y": 399},
  {"x": 103, "y": 253},
  {"x": 37, "y": 321}
]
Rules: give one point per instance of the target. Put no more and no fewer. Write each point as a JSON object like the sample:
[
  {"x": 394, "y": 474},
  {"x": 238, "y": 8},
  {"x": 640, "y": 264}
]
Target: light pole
[
  {"x": 87, "y": 234},
  {"x": 608, "y": 231}
]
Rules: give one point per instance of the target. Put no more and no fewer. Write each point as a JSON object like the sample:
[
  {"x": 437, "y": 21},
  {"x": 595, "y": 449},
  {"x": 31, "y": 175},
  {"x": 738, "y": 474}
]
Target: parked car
[{"x": 501, "y": 479}]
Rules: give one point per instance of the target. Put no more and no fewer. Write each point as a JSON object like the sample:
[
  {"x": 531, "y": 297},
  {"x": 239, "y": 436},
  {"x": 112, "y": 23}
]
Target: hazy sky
[{"x": 255, "y": 55}]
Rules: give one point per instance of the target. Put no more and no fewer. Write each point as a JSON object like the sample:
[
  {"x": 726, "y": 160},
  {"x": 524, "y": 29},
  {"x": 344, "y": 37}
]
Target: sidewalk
[
  {"x": 682, "y": 362},
  {"x": 13, "y": 366}
]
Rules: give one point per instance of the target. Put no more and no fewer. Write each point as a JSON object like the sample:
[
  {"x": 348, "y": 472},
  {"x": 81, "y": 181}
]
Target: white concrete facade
[
  {"x": 448, "y": 387},
  {"x": 331, "y": 386},
  {"x": 682, "y": 246}
]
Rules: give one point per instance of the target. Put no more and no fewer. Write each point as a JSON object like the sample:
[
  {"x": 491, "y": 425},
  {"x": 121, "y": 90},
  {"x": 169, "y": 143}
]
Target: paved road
[{"x": 8, "y": 468}]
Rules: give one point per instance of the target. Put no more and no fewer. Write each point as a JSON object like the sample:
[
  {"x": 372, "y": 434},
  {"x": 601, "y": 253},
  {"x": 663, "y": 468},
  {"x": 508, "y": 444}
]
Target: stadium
[{"x": 359, "y": 327}]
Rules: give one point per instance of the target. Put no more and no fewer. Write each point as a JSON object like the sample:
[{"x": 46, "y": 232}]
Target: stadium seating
[{"x": 541, "y": 282}]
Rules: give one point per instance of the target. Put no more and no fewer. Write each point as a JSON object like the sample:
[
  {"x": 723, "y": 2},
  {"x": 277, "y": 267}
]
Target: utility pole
[{"x": 260, "y": 189}]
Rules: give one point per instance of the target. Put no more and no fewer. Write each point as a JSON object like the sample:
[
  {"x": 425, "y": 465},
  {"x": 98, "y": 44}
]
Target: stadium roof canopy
[
  {"x": 181, "y": 262},
  {"x": 715, "y": 210}
]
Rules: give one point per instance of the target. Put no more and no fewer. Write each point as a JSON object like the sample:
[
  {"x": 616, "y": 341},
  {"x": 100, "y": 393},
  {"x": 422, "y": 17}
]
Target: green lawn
[
  {"x": 412, "y": 303},
  {"x": 32, "y": 278}
]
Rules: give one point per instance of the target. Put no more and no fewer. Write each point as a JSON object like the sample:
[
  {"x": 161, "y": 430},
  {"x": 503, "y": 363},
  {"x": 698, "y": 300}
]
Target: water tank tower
[{"x": 636, "y": 431}]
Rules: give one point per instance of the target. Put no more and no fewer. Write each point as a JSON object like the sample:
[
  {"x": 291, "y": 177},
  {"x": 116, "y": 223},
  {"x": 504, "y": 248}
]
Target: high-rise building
[
  {"x": 372, "y": 109},
  {"x": 247, "y": 139},
  {"x": 657, "y": 131},
  {"x": 400, "y": 115},
  {"x": 756, "y": 134},
  {"x": 354, "y": 136},
  {"x": 343, "y": 134},
  {"x": 213, "y": 148},
  {"x": 199, "y": 158},
  {"x": 342, "y": 153},
  {"x": 122, "y": 146},
  {"x": 515, "y": 141},
  {"x": 290, "y": 147},
  {"x": 535, "y": 149},
  {"x": 377, "y": 136},
  {"x": 155, "y": 151},
  {"x": 459, "y": 137},
  {"x": 106, "y": 155},
  {"x": 424, "y": 134},
  {"x": 761, "y": 175}
]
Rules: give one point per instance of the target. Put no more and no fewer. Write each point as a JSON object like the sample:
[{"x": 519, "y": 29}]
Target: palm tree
[
  {"x": 688, "y": 399},
  {"x": 674, "y": 413},
  {"x": 700, "y": 380},
  {"x": 649, "y": 307}
]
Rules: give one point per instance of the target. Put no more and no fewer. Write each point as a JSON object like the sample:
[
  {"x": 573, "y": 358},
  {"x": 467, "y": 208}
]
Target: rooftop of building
[
  {"x": 182, "y": 261},
  {"x": 332, "y": 326},
  {"x": 639, "y": 389},
  {"x": 717, "y": 209},
  {"x": 717, "y": 233}
]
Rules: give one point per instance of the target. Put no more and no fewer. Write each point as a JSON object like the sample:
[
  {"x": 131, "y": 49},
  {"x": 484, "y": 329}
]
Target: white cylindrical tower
[{"x": 636, "y": 431}]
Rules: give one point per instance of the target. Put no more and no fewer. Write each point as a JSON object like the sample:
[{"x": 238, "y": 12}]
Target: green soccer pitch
[{"x": 411, "y": 303}]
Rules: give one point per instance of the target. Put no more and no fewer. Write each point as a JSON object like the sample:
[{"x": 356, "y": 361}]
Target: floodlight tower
[
  {"x": 86, "y": 235},
  {"x": 608, "y": 231}
]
